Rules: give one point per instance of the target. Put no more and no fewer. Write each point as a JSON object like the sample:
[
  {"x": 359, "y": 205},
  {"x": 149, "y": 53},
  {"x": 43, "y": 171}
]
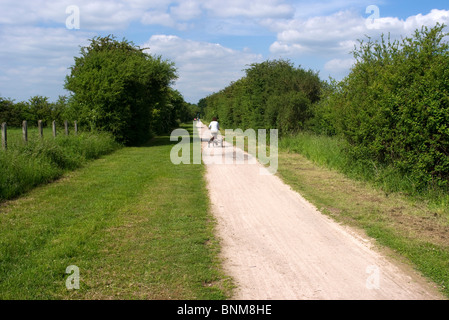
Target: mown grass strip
[{"x": 136, "y": 226}]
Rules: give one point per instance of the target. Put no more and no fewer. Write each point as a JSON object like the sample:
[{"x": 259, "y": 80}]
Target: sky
[{"x": 211, "y": 42}]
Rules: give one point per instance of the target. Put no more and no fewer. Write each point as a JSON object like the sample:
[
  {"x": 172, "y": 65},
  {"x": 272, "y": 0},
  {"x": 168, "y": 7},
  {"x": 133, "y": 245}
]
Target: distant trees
[
  {"x": 36, "y": 108},
  {"x": 273, "y": 94}
]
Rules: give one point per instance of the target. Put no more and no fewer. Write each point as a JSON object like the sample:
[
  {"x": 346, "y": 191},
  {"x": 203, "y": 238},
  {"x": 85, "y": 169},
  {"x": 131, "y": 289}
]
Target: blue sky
[{"x": 211, "y": 42}]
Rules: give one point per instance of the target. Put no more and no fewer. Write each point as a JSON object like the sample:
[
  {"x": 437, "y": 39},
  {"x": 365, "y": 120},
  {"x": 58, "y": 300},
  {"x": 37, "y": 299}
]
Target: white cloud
[
  {"x": 186, "y": 10},
  {"x": 337, "y": 33},
  {"x": 203, "y": 67},
  {"x": 339, "y": 66},
  {"x": 398, "y": 26},
  {"x": 159, "y": 18},
  {"x": 35, "y": 60},
  {"x": 118, "y": 14},
  {"x": 282, "y": 48},
  {"x": 328, "y": 34},
  {"x": 34, "y": 36},
  {"x": 332, "y": 38},
  {"x": 249, "y": 9}
]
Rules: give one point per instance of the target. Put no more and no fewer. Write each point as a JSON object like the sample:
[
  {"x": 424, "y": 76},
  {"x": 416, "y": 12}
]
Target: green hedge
[{"x": 393, "y": 107}]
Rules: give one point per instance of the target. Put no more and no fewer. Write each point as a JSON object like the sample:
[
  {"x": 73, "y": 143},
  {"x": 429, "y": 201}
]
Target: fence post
[
  {"x": 40, "y": 129},
  {"x": 25, "y": 131},
  {"x": 4, "y": 136},
  {"x": 66, "y": 127},
  {"x": 53, "y": 125},
  {"x": 76, "y": 127}
]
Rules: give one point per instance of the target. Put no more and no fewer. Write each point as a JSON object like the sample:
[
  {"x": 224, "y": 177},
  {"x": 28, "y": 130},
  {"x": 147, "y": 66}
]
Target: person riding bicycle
[{"x": 214, "y": 127}]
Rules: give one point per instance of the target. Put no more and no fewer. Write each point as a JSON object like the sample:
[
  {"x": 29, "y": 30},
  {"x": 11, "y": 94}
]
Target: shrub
[{"x": 393, "y": 107}]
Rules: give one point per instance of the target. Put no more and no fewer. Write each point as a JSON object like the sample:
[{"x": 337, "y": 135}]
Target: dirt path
[{"x": 278, "y": 246}]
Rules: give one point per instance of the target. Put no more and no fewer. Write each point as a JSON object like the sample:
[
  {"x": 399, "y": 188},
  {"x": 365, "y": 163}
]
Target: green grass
[
  {"x": 26, "y": 165},
  {"x": 331, "y": 152},
  {"x": 136, "y": 226}
]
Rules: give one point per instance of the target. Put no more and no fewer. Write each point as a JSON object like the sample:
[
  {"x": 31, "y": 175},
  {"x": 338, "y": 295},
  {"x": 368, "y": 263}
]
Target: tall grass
[
  {"x": 332, "y": 152},
  {"x": 136, "y": 225},
  {"x": 26, "y": 165}
]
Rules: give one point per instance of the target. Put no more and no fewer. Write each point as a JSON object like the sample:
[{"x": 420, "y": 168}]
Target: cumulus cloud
[
  {"x": 249, "y": 9},
  {"x": 398, "y": 26},
  {"x": 35, "y": 60},
  {"x": 118, "y": 14},
  {"x": 34, "y": 36},
  {"x": 187, "y": 10},
  {"x": 203, "y": 67},
  {"x": 333, "y": 37},
  {"x": 339, "y": 66},
  {"x": 338, "y": 32}
]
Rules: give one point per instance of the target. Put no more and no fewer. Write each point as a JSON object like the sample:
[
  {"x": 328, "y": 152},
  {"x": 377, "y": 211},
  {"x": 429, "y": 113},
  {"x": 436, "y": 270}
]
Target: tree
[
  {"x": 9, "y": 113},
  {"x": 39, "y": 108},
  {"x": 119, "y": 88},
  {"x": 273, "y": 94}
]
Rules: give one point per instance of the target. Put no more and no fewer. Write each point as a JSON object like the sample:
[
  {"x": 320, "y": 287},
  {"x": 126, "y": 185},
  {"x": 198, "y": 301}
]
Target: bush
[
  {"x": 393, "y": 108},
  {"x": 118, "y": 88}
]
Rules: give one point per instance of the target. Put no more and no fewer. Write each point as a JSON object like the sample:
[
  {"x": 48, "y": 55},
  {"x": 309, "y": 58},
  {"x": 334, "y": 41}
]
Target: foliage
[
  {"x": 121, "y": 89},
  {"x": 393, "y": 107},
  {"x": 273, "y": 94},
  {"x": 36, "y": 108}
]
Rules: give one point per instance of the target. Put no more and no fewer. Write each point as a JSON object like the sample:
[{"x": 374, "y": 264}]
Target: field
[{"x": 136, "y": 226}]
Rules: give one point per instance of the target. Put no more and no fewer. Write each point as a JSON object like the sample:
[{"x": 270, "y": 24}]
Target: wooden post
[
  {"x": 40, "y": 129},
  {"x": 4, "y": 136},
  {"x": 53, "y": 125},
  {"x": 25, "y": 131},
  {"x": 76, "y": 127},
  {"x": 66, "y": 127}
]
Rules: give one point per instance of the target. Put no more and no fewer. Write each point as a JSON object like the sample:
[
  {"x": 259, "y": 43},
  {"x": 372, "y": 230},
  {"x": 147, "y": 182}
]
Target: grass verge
[{"x": 136, "y": 226}]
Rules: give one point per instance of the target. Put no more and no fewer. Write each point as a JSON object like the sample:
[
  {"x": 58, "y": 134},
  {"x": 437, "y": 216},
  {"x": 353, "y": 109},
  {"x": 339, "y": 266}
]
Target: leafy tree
[
  {"x": 39, "y": 108},
  {"x": 9, "y": 113},
  {"x": 273, "y": 94},
  {"x": 121, "y": 89}
]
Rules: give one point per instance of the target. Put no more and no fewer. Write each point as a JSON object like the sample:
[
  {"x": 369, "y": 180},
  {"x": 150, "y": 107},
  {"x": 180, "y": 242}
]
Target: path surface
[{"x": 278, "y": 246}]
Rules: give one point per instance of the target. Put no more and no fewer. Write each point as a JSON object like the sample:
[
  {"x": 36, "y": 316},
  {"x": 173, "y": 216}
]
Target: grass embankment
[
  {"x": 377, "y": 200},
  {"x": 26, "y": 165},
  {"x": 136, "y": 226}
]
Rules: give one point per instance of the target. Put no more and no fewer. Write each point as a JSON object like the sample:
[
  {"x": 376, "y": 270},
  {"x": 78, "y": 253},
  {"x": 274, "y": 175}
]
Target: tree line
[
  {"x": 392, "y": 108},
  {"x": 35, "y": 109},
  {"x": 273, "y": 94},
  {"x": 115, "y": 87}
]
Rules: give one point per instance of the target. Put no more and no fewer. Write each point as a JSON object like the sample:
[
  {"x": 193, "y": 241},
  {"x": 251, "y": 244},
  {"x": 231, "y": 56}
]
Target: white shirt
[{"x": 214, "y": 126}]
